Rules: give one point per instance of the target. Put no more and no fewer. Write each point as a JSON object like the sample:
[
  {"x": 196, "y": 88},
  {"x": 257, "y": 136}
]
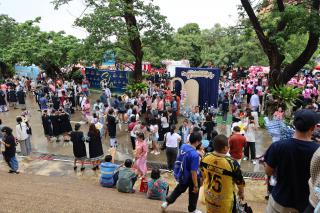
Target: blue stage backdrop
[
  {"x": 116, "y": 80},
  {"x": 208, "y": 80}
]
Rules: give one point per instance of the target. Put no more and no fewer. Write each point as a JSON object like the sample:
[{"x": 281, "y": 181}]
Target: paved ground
[
  {"x": 52, "y": 186},
  {"x": 40, "y": 144}
]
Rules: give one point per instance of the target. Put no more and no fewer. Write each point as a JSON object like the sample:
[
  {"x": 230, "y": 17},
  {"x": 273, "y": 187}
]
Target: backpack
[{"x": 178, "y": 166}]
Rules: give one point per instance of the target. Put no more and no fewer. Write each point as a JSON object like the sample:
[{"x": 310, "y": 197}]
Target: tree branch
[
  {"x": 124, "y": 48},
  {"x": 308, "y": 52},
  {"x": 257, "y": 26}
]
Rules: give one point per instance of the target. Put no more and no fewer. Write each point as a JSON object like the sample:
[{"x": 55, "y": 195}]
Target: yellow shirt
[{"x": 220, "y": 175}]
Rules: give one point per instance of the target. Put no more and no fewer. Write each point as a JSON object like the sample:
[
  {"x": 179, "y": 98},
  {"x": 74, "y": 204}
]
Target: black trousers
[
  {"x": 252, "y": 147},
  {"x": 181, "y": 188},
  {"x": 171, "y": 157},
  {"x": 133, "y": 142},
  {"x": 248, "y": 98}
]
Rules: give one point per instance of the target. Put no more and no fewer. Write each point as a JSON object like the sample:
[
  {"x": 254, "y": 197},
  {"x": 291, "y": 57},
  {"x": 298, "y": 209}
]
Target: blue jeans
[
  {"x": 14, "y": 165},
  {"x": 28, "y": 145}
]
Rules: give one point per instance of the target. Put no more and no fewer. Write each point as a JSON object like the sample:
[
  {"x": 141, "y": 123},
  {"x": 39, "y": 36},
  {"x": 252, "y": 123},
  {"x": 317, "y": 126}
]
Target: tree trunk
[{"x": 134, "y": 40}]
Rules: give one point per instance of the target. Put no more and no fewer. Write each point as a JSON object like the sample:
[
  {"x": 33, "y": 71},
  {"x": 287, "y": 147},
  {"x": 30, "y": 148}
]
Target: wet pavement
[{"x": 124, "y": 151}]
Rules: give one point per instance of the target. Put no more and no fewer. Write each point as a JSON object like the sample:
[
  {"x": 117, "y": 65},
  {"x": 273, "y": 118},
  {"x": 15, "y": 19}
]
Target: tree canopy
[
  {"x": 125, "y": 25},
  {"x": 279, "y": 24},
  {"x": 26, "y": 44}
]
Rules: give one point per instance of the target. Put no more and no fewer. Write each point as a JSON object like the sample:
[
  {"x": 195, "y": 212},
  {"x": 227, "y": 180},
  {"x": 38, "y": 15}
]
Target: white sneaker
[
  {"x": 245, "y": 158},
  {"x": 196, "y": 211},
  {"x": 164, "y": 206},
  {"x": 152, "y": 152},
  {"x": 254, "y": 162},
  {"x": 157, "y": 153}
]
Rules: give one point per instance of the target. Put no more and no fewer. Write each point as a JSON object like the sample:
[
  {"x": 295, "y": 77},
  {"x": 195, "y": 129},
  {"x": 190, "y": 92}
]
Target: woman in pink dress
[
  {"x": 141, "y": 155},
  {"x": 86, "y": 111}
]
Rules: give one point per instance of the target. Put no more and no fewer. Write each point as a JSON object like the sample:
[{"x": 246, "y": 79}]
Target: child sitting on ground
[
  {"x": 108, "y": 171},
  {"x": 126, "y": 178},
  {"x": 157, "y": 188}
]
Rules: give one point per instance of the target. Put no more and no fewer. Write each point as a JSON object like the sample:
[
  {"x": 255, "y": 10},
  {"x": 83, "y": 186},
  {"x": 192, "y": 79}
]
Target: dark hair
[
  {"x": 220, "y": 142},
  {"x": 251, "y": 118},
  {"x": 195, "y": 137},
  {"x": 93, "y": 129},
  {"x": 153, "y": 121},
  {"x": 0, "y": 121},
  {"x": 214, "y": 133},
  {"x": 128, "y": 163},
  {"x": 155, "y": 174},
  {"x": 208, "y": 118},
  {"x": 7, "y": 130},
  {"x": 140, "y": 135},
  {"x": 172, "y": 128},
  {"x": 77, "y": 126},
  {"x": 196, "y": 129},
  {"x": 19, "y": 119},
  {"x": 108, "y": 158},
  {"x": 133, "y": 119},
  {"x": 236, "y": 129},
  {"x": 111, "y": 111}
]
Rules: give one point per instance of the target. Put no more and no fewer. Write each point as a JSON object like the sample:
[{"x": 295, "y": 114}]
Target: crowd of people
[{"x": 197, "y": 155}]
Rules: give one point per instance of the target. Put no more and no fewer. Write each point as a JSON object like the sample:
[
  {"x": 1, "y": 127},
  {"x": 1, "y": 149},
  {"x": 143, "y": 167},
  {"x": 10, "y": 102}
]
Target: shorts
[{"x": 154, "y": 138}]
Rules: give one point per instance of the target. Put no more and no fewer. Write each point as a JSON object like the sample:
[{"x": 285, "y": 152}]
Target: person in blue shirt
[
  {"x": 108, "y": 170},
  {"x": 190, "y": 174},
  {"x": 289, "y": 160}
]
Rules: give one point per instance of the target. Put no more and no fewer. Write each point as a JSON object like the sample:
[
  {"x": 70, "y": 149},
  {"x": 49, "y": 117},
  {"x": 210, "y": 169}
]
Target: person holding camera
[{"x": 9, "y": 154}]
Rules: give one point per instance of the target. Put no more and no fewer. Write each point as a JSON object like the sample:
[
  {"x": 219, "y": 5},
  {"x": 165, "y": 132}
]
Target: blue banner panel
[
  {"x": 208, "y": 80},
  {"x": 116, "y": 80}
]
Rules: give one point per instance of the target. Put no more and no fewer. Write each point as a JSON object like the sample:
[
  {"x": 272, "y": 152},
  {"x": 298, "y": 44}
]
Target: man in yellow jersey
[{"x": 220, "y": 175}]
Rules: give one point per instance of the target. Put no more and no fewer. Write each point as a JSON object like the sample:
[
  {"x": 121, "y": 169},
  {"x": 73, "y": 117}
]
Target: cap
[{"x": 304, "y": 119}]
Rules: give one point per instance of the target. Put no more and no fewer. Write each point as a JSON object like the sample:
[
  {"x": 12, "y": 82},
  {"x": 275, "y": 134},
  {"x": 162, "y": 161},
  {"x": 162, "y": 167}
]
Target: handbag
[{"x": 29, "y": 131}]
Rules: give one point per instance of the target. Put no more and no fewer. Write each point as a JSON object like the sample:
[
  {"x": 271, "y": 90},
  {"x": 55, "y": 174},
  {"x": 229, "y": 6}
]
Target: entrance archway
[{"x": 192, "y": 88}]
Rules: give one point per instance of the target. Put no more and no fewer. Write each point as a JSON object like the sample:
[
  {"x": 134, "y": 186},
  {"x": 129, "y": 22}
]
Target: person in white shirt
[
  {"x": 108, "y": 94},
  {"x": 172, "y": 141},
  {"x": 154, "y": 130},
  {"x": 251, "y": 140},
  {"x": 22, "y": 136},
  {"x": 255, "y": 102}
]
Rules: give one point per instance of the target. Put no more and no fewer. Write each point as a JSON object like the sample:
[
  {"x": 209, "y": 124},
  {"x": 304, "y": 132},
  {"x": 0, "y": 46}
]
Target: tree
[
  {"x": 26, "y": 44},
  {"x": 134, "y": 24},
  {"x": 276, "y": 24}
]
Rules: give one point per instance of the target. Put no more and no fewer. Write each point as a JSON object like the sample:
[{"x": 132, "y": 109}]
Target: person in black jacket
[
  {"x": 79, "y": 148},
  {"x": 9, "y": 154},
  {"x": 65, "y": 125},
  {"x": 112, "y": 128},
  {"x": 95, "y": 146},
  {"x": 21, "y": 98},
  {"x": 12, "y": 97},
  {"x": 56, "y": 124},
  {"x": 3, "y": 103},
  {"x": 225, "y": 108},
  {"x": 47, "y": 125}
]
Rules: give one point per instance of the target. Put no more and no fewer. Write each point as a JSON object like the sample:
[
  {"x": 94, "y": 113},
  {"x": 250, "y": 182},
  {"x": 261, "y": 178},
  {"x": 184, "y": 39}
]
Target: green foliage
[
  {"x": 286, "y": 95},
  {"x": 261, "y": 122},
  {"x": 26, "y": 44},
  {"x": 124, "y": 26},
  {"x": 76, "y": 76},
  {"x": 136, "y": 87}
]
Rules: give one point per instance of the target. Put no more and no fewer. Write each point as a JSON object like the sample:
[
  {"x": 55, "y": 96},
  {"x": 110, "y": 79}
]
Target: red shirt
[{"x": 237, "y": 143}]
